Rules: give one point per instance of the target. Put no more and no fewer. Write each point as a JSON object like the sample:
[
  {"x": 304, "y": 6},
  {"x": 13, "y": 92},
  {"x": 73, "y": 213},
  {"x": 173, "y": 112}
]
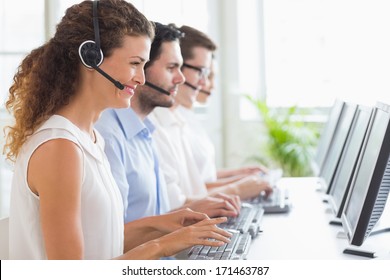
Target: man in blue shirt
[{"x": 129, "y": 145}]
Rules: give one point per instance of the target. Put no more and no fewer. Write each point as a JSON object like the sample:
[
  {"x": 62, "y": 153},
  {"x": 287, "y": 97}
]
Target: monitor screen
[
  {"x": 371, "y": 180},
  {"x": 337, "y": 144},
  {"x": 327, "y": 134},
  {"x": 344, "y": 172}
]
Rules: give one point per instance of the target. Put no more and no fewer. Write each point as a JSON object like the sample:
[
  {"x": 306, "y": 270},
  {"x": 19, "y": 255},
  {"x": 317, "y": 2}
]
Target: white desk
[{"x": 304, "y": 232}]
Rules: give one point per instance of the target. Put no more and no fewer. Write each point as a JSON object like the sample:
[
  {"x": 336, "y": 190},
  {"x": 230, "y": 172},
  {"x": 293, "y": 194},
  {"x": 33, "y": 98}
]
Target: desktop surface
[{"x": 305, "y": 233}]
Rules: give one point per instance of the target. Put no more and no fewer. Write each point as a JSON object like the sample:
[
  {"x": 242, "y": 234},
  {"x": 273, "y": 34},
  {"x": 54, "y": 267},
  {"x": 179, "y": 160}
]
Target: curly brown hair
[{"x": 49, "y": 76}]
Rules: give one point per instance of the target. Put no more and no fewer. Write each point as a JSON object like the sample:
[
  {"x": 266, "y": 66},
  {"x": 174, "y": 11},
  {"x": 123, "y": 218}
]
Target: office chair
[{"x": 4, "y": 239}]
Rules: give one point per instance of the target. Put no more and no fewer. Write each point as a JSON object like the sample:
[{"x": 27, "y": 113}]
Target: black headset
[{"x": 90, "y": 52}]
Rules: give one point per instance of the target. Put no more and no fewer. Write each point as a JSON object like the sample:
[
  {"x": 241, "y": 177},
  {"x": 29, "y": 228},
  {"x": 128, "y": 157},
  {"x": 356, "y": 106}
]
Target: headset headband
[{"x": 96, "y": 23}]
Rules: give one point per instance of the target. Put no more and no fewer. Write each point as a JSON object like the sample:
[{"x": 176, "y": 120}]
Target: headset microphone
[
  {"x": 161, "y": 90},
  {"x": 116, "y": 83},
  {"x": 190, "y": 85},
  {"x": 90, "y": 53}
]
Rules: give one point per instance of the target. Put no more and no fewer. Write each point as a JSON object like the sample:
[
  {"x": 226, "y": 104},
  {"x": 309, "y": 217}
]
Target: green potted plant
[{"x": 290, "y": 143}]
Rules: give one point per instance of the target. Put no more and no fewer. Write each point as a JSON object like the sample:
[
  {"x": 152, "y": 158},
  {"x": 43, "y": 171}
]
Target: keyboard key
[
  {"x": 236, "y": 249},
  {"x": 243, "y": 243},
  {"x": 205, "y": 250}
]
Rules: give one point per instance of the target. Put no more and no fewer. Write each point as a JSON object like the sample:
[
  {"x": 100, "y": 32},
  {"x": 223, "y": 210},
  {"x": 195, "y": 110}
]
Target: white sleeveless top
[{"x": 101, "y": 204}]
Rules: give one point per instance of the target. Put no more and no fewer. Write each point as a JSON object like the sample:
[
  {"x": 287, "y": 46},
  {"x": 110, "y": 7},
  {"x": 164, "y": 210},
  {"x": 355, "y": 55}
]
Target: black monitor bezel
[
  {"x": 337, "y": 204},
  {"x": 330, "y": 164},
  {"x": 327, "y": 134},
  {"x": 357, "y": 233}
]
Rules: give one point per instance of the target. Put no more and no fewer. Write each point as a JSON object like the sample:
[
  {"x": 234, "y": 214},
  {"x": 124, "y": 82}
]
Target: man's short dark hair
[
  {"x": 194, "y": 38},
  {"x": 163, "y": 33}
]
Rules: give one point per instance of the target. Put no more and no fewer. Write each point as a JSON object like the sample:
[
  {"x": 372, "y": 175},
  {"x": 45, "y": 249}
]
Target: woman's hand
[
  {"x": 170, "y": 233},
  {"x": 175, "y": 220},
  {"x": 202, "y": 233}
]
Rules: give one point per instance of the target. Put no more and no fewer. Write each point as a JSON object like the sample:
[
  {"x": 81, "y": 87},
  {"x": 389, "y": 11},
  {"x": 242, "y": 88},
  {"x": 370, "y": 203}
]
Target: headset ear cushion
[{"x": 90, "y": 55}]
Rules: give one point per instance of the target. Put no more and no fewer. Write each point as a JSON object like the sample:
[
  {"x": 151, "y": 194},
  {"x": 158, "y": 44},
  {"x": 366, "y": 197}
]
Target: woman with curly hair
[{"x": 64, "y": 202}]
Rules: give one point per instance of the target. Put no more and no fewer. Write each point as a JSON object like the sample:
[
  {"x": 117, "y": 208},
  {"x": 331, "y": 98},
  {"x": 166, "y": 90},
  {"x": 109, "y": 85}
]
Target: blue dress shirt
[{"x": 133, "y": 160}]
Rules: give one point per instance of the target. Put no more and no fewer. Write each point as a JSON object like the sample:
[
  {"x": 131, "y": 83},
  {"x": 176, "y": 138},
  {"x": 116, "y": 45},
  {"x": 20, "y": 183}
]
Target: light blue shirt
[{"x": 131, "y": 153}]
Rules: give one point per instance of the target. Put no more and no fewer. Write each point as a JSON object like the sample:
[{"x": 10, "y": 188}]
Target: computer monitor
[
  {"x": 337, "y": 144},
  {"x": 327, "y": 135},
  {"x": 343, "y": 176},
  {"x": 371, "y": 180}
]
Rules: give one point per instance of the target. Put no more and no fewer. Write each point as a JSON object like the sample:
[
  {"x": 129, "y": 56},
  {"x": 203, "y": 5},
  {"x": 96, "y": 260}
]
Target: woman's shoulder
[
  {"x": 56, "y": 127},
  {"x": 58, "y": 122}
]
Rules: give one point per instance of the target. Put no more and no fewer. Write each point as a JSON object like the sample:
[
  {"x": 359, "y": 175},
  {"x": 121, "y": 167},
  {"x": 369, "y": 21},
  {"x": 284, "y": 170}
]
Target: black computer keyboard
[
  {"x": 237, "y": 249},
  {"x": 244, "y": 227},
  {"x": 276, "y": 202}
]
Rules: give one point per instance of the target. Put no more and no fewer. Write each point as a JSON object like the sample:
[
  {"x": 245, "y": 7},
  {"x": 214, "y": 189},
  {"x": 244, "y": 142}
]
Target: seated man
[
  {"x": 173, "y": 133},
  {"x": 129, "y": 142}
]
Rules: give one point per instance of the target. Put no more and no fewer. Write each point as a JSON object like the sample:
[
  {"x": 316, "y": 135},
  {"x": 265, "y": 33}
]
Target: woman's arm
[
  {"x": 178, "y": 240},
  {"x": 143, "y": 230},
  {"x": 55, "y": 174},
  {"x": 140, "y": 231}
]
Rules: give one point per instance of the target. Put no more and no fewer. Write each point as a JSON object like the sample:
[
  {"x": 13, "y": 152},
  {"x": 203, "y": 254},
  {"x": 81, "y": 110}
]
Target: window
[
  {"x": 18, "y": 36},
  {"x": 316, "y": 51},
  {"x": 192, "y": 13}
]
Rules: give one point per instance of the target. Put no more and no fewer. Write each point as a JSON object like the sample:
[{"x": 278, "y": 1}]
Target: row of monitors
[{"x": 353, "y": 164}]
